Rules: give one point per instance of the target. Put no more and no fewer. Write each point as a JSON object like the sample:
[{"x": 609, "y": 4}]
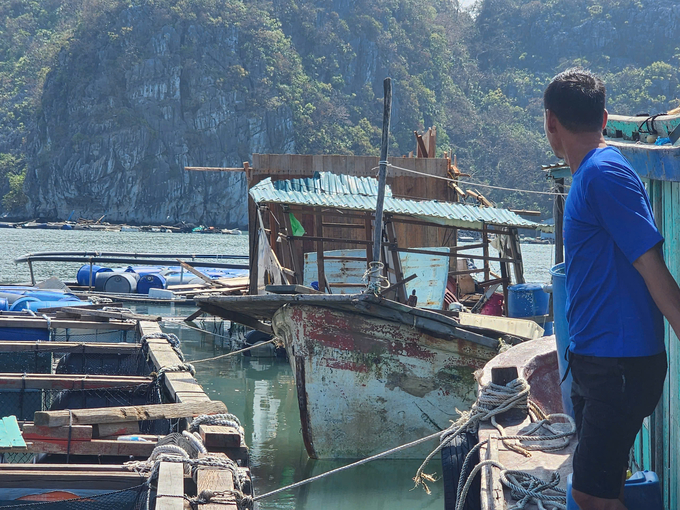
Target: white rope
[
  {"x": 456, "y": 181},
  {"x": 375, "y": 281},
  {"x": 233, "y": 353},
  {"x": 227, "y": 420},
  {"x": 197, "y": 442},
  {"x": 180, "y": 367}
]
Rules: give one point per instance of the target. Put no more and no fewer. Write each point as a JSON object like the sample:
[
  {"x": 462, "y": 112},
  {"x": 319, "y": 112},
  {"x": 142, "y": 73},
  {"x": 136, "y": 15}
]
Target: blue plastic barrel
[
  {"x": 83, "y": 276},
  {"x": 642, "y": 491},
  {"x": 529, "y": 300},
  {"x": 22, "y": 303},
  {"x": 150, "y": 281},
  {"x": 559, "y": 284},
  {"x": 38, "y": 305}
]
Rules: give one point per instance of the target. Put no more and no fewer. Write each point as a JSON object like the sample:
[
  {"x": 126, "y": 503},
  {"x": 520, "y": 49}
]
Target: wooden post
[
  {"x": 382, "y": 176},
  {"x": 396, "y": 263},
  {"x": 485, "y": 252},
  {"x": 215, "y": 479},
  {"x": 558, "y": 216},
  {"x": 320, "y": 269}
]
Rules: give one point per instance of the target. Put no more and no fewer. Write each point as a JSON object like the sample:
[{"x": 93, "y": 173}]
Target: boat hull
[{"x": 366, "y": 385}]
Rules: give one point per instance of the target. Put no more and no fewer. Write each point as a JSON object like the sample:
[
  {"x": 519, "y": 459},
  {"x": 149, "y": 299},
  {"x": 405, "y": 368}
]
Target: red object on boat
[{"x": 494, "y": 306}]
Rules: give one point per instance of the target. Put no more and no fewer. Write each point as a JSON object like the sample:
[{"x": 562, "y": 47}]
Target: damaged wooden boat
[{"x": 373, "y": 371}]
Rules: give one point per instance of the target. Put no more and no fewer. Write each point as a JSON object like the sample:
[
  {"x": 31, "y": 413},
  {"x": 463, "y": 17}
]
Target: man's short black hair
[{"x": 576, "y": 97}]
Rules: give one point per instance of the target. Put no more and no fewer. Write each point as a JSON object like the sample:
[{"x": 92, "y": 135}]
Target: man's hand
[{"x": 661, "y": 285}]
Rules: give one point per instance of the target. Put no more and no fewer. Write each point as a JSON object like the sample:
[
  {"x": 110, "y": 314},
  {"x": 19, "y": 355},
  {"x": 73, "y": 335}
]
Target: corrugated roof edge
[{"x": 329, "y": 190}]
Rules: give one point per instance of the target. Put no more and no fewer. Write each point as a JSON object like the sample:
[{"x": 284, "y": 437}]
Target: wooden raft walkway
[{"x": 93, "y": 431}]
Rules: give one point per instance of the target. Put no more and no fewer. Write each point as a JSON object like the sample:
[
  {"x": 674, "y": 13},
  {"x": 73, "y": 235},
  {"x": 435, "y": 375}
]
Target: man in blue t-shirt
[{"x": 618, "y": 287}]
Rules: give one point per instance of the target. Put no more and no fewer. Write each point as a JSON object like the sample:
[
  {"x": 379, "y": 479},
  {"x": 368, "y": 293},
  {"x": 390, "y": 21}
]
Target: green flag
[{"x": 296, "y": 226}]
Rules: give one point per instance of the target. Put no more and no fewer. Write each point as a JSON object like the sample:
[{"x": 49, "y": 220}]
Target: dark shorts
[{"x": 611, "y": 398}]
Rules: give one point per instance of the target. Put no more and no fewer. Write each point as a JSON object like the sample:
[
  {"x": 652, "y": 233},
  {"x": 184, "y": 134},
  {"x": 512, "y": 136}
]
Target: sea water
[{"x": 260, "y": 391}]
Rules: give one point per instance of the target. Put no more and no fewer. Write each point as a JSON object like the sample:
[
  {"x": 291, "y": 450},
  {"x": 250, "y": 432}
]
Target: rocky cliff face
[{"x": 135, "y": 100}]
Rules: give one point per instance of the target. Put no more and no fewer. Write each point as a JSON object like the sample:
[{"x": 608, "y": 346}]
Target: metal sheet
[
  {"x": 431, "y": 270},
  {"x": 356, "y": 193}
]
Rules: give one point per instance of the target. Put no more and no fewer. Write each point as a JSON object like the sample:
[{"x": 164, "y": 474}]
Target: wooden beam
[
  {"x": 78, "y": 432},
  {"x": 128, "y": 413},
  {"x": 81, "y": 348},
  {"x": 213, "y": 169},
  {"x": 111, "y": 447},
  {"x": 104, "y": 430},
  {"x": 79, "y": 312},
  {"x": 41, "y": 323},
  {"x": 219, "y": 436},
  {"x": 170, "y": 491},
  {"x": 241, "y": 318},
  {"x": 15, "y": 381},
  {"x": 215, "y": 479},
  {"x": 65, "y": 477}
]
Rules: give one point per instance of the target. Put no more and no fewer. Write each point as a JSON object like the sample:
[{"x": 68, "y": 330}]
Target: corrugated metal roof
[{"x": 359, "y": 193}]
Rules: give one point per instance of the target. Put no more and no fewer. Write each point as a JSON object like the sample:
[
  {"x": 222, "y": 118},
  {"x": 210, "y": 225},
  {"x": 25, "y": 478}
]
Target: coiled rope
[
  {"x": 177, "y": 454},
  {"x": 493, "y": 400},
  {"x": 375, "y": 281}
]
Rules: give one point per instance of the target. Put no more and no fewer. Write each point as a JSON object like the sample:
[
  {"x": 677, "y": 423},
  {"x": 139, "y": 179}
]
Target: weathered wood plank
[
  {"x": 78, "y": 432},
  {"x": 93, "y": 447},
  {"x": 59, "y": 476},
  {"x": 39, "y": 322},
  {"x": 215, "y": 479},
  {"x": 127, "y": 413},
  {"x": 84, "y": 348},
  {"x": 170, "y": 486},
  {"x": 105, "y": 430},
  {"x": 68, "y": 382},
  {"x": 219, "y": 436}
]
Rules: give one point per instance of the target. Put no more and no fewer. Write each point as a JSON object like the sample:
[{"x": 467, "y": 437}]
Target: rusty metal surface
[
  {"x": 431, "y": 272},
  {"x": 372, "y": 384},
  {"x": 319, "y": 192}
]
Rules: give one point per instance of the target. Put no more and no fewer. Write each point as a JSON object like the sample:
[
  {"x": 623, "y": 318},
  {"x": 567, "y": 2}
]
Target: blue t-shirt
[{"x": 608, "y": 224}]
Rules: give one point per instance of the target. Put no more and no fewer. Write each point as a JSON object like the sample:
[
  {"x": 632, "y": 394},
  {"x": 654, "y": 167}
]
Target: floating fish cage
[{"x": 87, "y": 409}]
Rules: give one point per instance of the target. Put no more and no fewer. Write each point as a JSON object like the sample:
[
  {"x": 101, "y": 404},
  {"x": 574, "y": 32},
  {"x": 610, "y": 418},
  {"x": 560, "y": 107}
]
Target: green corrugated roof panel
[{"x": 359, "y": 193}]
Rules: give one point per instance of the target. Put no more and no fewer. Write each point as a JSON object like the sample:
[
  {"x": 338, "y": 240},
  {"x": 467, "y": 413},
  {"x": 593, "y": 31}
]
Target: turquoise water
[{"x": 260, "y": 391}]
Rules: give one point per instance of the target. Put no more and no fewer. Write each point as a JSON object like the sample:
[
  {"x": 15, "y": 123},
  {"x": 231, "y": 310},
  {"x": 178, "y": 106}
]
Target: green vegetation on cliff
[{"x": 131, "y": 91}]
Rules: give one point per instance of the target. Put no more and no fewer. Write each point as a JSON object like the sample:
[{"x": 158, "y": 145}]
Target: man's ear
[
  {"x": 550, "y": 121},
  {"x": 604, "y": 119}
]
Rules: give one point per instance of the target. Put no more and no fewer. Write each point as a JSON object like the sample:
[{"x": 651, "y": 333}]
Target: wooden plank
[
  {"x": 291, "y": 289},
  {"x": 78, "y": 432},
  {"x": 40, "y": 323},
  {"x": 84, "y": 348},
  {"x": 74, "y": 310},
  {"x": 215, "y": 479},
  {"x": 320, "y": 264},
  {"x": 104, "y": 430},
  {"x": 128, "y": 413},
  {"x": 63, "y": 477},
  {"x": 93, "y": 447},
  {"x": 213, "y": 169},
  {"x": 170, "y": 491},
  {"x": 16, "y": 381},
  {"x": 218, "y": 436}
]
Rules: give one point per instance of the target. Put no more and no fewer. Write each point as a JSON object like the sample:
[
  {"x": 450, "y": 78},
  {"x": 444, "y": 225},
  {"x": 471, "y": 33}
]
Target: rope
[
  {"x": 375, "y": 281},
  {"x": 232, "y": 353},
  {"x": 183, "y": 325},
  {"x": 180, "y": 367},
  {"x": 170, "y": 337},
  {"x": 227, "y": 420},
  {"x": 552, "y": 193}
]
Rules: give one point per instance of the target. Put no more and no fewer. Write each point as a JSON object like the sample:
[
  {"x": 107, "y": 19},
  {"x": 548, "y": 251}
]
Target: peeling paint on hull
[{"x": 368, "y": 385}]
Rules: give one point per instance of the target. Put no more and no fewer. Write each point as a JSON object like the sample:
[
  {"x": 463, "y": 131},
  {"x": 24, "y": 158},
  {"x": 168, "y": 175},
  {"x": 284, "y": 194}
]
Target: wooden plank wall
[
  {"x": 403, "y": 184},
  {"x": 664, "y": 425}
]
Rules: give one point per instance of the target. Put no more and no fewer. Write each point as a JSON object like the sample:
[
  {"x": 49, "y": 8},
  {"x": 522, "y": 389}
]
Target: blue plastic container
[
  {"x": 83, "y": 276},
  {"x": 4, "y": 306},
  {"x": 22, "y": 303},
  {"x": 642, "y": 491},
  {"x": 529, "y": 300},
  {"x": 559, "y": 285},
  {"x": 38, "y": 305},
  {"x": 150, "y": 281},
  {"x": 121, "y": 283}
]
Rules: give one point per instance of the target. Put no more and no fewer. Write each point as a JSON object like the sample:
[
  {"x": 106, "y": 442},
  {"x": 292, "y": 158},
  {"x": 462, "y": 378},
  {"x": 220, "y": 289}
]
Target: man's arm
[{"x": 663, "y": 288}]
